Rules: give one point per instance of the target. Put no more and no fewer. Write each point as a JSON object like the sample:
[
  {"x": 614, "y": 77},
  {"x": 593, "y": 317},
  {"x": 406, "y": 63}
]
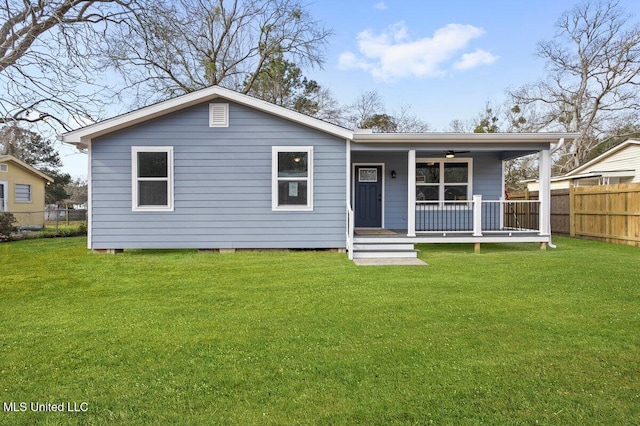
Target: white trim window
[
  {"x": 22, "y": 193},
  {"x": 152, "y": 178},
  {"x": 292, "y": 178},
  {"x": 441, "y": 180}
]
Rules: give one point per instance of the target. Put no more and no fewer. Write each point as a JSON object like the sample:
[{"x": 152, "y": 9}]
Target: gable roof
[
  {"x": 82, "y": 137},
  {"x": 604, "y": 156},
  {"x": 31, "y": 169}
]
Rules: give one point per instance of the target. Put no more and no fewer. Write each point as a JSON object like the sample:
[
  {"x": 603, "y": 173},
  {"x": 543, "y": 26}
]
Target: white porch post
[
  {"x": 545, "y": 192},
  {"x": 411, "y": 188},
  {"x": 477, "y": 215}
]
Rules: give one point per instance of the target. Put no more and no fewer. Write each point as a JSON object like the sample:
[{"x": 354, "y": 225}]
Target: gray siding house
[{"x": 216, "y": 169}]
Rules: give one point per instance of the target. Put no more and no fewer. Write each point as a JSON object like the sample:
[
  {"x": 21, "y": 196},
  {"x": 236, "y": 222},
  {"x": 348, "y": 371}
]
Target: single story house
[
  {"x": 22, "y": 190},
  {"x": 620, "y": 164},
  {"x": 216, "y": 169}
]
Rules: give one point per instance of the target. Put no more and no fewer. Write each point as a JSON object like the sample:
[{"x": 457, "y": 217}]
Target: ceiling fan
[{"x": 452, "y": 154}]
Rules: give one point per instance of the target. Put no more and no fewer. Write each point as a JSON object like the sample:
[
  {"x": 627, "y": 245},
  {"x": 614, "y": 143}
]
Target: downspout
[
  {"x": 349, "y": 219},
  {"x": 553, "y": 149}
]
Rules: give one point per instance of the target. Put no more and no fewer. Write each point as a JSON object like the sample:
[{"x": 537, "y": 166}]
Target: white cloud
[
  {"x": 380, "y": 6},
  {"x": 475, "y": 59},
  {"x": 393, "y": 54}
]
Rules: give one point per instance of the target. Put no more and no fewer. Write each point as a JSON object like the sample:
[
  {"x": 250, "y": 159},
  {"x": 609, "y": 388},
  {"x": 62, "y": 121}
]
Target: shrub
[{"x": 7, "y": 221}]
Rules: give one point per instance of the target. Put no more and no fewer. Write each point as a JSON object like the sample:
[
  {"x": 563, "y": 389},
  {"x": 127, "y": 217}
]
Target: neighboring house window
[
  {"x": 23, "y": 193},
  {"x": 439, "y": 180},
  {"x": 218, "y": 115},
  {"x": 152, "y": 178},
  {"x": 292, "y": 178},
  {"x": 4, "y": 168}
]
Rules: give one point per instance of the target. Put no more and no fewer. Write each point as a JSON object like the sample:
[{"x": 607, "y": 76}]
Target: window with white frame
[
  {"x": 439, "y": 180},
  {"x": 22, "y": 193},
  {"x": 152, "y": 178},
  {"x": 292, "y": 178}
]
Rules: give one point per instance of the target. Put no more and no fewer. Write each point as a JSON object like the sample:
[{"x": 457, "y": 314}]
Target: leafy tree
[
  {"x": 281, "y": 82},
  {"x": 593, "y": 68},
  {"x": 56, "y": 193},
  {"x": 38, "y": 152},
  {"x": 318, "y": 102},
  {"x": 487, "y": 122},
  {"x": 380, "y": 123},
  {"x": 29, "y": 147}
]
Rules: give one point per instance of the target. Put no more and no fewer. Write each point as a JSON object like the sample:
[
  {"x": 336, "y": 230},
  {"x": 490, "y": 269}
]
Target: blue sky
[{"x": 445, "y": 59}]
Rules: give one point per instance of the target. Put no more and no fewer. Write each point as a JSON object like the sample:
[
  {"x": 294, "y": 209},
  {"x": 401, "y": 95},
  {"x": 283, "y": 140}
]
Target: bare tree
[
  {"x": 365, "y": 106},
  {"x": 594, "y": 73},
  {"x": 172, "y": 48},
  {"x": 46, "y": 72},
  {"x": 368, "y": 112},
  {"x": 407, "y": 121}
]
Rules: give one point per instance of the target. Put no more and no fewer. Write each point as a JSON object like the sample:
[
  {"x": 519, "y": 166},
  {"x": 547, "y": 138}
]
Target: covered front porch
[{"x": 447, "y": 188}]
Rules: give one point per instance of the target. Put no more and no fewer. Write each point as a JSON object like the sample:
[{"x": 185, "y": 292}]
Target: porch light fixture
[
  {"x": 450, "y": 154},
  {"x": 393, "y": 174}
]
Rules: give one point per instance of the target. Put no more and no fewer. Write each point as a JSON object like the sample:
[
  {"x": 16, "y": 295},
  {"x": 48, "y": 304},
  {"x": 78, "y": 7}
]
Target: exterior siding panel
[{"x": 222, "y": 185}]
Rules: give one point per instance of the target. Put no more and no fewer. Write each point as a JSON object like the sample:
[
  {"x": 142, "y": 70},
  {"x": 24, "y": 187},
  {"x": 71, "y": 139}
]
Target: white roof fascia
[
  {"x": 602, "y": 156},
  {"x": 7, "y": 158},
  {"x": 616, "y": 173},
  {"x": 84, "y": 135},
  {"x": 461, "y": 137},
  {"x": 612, "y": 173}
]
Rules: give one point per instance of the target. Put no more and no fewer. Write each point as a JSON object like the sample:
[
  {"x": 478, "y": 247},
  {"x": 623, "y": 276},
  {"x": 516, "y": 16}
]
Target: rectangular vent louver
[{"x": 218, "y": 115}]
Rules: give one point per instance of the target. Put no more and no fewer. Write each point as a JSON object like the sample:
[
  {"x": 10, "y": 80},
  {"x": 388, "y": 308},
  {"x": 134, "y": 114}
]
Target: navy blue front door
[{"x": 368, "y": 197}]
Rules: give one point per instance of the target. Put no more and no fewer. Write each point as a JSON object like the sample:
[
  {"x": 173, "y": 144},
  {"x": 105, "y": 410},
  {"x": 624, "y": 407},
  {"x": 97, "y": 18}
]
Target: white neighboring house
[{"x": 621, "y": 164}]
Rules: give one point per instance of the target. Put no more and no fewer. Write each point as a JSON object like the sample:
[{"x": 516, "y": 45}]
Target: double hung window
[
  {"x": 152, "y": 178},
  {"x": 292, "y": 178},
  {"x": 439, "y": 180}
]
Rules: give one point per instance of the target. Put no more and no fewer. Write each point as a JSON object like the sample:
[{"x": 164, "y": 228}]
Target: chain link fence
[{"x": 54, "y": 221}]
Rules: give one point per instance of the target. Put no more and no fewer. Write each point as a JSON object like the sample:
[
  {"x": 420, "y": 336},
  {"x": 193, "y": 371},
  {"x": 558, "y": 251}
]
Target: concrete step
[
  {"x": 379, "y": 246},
  {"x": 378, "y": 254}
]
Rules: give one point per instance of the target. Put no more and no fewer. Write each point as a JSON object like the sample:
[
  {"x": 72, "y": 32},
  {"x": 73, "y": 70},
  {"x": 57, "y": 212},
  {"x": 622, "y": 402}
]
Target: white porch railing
[
  {"x": 350, "y": 230},
  {"x": 478, "y": 216}
]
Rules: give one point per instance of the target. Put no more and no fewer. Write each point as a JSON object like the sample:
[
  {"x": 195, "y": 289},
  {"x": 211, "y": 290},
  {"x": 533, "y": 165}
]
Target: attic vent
[
  {"x": 218, "y": 115},
  {"x": 4, "y": 168}
]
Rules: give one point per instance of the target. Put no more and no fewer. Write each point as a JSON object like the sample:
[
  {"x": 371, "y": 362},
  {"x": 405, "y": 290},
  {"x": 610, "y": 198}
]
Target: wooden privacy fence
[
  {"x": 560, "y": 217},
  {"x": 608, "y": 213}
]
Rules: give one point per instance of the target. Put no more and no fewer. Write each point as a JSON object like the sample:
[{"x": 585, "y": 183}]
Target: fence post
[
  {"x": 572, "y": 210},
  {"x": 57, "y": 218}
]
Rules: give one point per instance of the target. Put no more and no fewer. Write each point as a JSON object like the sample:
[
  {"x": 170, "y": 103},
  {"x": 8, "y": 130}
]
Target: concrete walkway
[{"x": 389, "y": 261}]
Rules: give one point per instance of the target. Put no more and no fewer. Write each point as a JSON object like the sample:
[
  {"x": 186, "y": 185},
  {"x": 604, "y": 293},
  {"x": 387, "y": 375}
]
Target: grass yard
[{"x": 512, "y": 335}]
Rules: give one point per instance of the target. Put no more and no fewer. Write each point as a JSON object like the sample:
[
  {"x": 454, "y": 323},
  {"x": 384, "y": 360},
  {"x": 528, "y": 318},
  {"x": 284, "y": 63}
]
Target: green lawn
[{"x": 512, "y": 335}]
